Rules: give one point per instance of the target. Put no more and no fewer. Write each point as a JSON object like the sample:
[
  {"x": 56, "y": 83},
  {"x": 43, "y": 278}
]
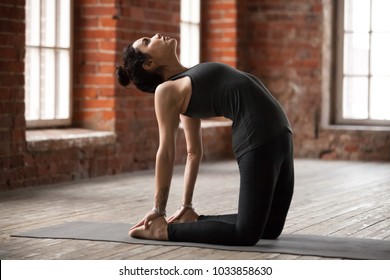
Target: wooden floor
[{"x": 331, "y": 198}]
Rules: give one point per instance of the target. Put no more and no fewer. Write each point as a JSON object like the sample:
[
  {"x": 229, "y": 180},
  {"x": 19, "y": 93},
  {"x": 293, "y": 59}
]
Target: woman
[{"x": 262, "y": 144}]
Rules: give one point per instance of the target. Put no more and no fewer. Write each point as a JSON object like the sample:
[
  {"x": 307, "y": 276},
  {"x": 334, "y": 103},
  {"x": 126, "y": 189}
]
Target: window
[
  {"x": 48, "y": 62},
  {"x": 189, "y": 32},
  {"x": 363, "y": 77}
]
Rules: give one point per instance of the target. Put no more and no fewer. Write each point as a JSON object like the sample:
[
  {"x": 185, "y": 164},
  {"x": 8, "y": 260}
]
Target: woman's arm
[
  {"x": 167, "y": 110},
  {"x": 193, "y": 135}
]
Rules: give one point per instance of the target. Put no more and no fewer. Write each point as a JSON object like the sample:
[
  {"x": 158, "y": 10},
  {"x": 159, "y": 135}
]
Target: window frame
[
  {"x": 192, "y": 24},
  {"x": 339, "y": 65},
  {"x": 55, "y": 121}
]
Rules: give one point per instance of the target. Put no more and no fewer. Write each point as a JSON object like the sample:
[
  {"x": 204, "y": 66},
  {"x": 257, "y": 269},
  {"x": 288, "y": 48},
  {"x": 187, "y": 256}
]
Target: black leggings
[{"x": 266, "y": 189}]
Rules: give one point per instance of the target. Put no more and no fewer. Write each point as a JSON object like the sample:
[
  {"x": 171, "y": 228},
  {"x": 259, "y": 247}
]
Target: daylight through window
[
  {"x": 190, "y": 32},
  {"x": 364, "y": 83},
  {"x": 48, "y": 62}
]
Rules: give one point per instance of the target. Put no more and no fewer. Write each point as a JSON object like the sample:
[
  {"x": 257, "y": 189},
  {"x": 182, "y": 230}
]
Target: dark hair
[{"x": 132, "y": 70}]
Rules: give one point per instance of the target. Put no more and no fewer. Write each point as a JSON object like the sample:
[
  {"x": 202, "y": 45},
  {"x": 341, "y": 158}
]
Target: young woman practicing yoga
[{"x": 262, "y": 144}]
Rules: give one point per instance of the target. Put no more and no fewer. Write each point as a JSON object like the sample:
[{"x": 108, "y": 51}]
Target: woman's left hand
[
  {"x": 183, "y": 215},
  {"x": 178, "y": 214}
]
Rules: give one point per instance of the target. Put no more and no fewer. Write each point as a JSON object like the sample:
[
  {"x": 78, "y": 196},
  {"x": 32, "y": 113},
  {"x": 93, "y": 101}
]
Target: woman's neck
[{"x": 173, "y": 70}]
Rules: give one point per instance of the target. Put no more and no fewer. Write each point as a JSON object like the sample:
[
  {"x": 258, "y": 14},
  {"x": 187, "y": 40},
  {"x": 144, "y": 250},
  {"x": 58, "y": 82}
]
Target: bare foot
[
  {"x": 188, "y": 216},
  {"x": 157, "y": 230}
]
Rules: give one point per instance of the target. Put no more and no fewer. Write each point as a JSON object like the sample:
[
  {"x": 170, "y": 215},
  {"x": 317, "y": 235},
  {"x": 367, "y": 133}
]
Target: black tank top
[{"x": 221, "y": 90}]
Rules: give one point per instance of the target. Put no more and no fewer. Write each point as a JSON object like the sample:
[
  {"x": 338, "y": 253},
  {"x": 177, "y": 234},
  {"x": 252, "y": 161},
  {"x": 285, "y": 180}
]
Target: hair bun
[{"x": 122, "y": 76}]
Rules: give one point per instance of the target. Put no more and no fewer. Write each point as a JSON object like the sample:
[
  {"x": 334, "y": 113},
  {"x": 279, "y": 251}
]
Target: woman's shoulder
[
  {"x": 174, "y": 93},
  {"x": 176, "y": 85}
]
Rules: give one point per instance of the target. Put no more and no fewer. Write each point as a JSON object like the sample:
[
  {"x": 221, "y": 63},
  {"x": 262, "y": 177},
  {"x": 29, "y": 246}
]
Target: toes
[{"x": 137, "y": 232}]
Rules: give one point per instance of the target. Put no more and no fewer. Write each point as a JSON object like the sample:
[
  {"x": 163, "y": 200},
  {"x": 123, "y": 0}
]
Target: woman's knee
[
  {"x": 272, "y": 234},
  {"x": 247, "y": 241},
  {"x": 248, "y": 237}
]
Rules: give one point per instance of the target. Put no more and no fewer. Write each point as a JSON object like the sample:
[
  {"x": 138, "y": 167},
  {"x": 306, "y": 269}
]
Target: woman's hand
[
  {"x": 150, "y": 216},
  {"x": 157, "y": 230},
  {"x": 183, "y": 215},
  {"x": 178, "y": 214}
]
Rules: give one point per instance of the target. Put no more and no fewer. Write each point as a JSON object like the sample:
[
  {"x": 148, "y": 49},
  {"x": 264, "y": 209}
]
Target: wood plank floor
[{"x": 332, "y": 198}]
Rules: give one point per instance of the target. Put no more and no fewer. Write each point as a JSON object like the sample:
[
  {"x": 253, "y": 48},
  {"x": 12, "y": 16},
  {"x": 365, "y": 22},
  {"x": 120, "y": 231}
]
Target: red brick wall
[
  {"x": 219, "y": 31},
  {"x": 12, "y": 122},
  {"x": 224, "y": 32},
  {"x": 285, "y": 51},
  {"x": 243, "y": 38},
  {"x": 94, "y": 64}
]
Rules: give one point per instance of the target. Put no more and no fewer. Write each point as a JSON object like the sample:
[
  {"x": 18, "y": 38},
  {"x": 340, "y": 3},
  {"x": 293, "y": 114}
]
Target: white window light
[
  {"x": 363, "y": 72},
  {"x": 48, "y": 62},
  {"x": 190, "y": 32}
]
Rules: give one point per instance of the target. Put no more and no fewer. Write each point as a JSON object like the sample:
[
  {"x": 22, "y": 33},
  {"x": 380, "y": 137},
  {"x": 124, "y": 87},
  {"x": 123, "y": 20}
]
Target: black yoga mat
[{"x": 298, "y": 244}]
